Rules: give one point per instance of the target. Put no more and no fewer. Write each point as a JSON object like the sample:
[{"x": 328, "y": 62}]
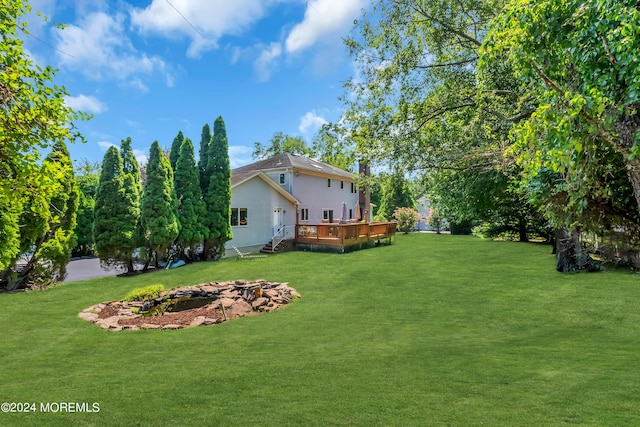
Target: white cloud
[
  {"x": 239, "y": 155},
  {"x": 310, "y": 123},
  {"x": 264, "y": 65},
  {"x": 99, "y": 48},
  {"x": 141, "y": 157},
  {"x": 204, "y": 21},
  {"x": 324, "y": 21},
  {"x": 104, "y": 145},
  {"x": 87, "y": 104}
]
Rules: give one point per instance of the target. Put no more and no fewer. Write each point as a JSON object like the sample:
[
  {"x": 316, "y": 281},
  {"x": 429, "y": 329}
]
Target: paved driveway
[{"x": 87, "y": 268}]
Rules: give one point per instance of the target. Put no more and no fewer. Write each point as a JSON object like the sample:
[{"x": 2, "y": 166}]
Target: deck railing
[{"x": 344, "y": 234}]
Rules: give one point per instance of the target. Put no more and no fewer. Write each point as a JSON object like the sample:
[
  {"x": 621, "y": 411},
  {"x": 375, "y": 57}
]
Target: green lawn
[{"x": 432, "y": 330}]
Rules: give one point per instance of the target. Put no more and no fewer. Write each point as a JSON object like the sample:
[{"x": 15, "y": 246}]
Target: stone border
[{"x": 232, "y": 299}]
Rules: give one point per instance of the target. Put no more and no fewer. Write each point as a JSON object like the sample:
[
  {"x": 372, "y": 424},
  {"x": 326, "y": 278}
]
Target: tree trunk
[
  {"x": 570, "y": 254},
  {"x": 522, "y": 229},
  {"x": 130, "y": 266}
]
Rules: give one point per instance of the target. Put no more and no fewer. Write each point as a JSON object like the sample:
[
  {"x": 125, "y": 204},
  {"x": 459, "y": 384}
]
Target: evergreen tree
[
  {"x": 218, "y": 194},
  {"x": 175, "y": 150},
  {"x": 131, "y": 199},
  {"x": 191, "y": 207},
  {"x": 88, "y": 176},
  {"x": 60, "y": 238},
  {"x": 114, "y": 223},
  {"x": 159, "y": 203},
  {"x": 48, "y": 222},
  {"x": 205, "y": 140}
]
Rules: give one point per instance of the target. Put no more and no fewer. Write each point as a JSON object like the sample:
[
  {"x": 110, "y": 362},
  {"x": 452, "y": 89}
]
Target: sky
[{"x": 147, "y": 69}]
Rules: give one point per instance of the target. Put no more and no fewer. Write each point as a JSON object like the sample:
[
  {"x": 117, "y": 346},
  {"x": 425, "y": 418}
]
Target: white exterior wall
[
  {"x": 314, "y": 194},
  {"x": 260, "y": 200}
]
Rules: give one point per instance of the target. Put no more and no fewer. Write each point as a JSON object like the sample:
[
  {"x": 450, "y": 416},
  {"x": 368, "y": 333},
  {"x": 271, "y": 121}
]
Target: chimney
[{"x": 364, "y": 194}]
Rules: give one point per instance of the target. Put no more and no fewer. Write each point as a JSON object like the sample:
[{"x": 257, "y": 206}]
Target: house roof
[
  {"x": 239, "y": 179},
  {"x": 296, "y": 163}
]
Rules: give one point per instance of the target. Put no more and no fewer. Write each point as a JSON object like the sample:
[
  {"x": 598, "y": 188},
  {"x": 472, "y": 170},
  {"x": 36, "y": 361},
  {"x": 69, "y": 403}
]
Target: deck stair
[{"x": 270, "y": 249}]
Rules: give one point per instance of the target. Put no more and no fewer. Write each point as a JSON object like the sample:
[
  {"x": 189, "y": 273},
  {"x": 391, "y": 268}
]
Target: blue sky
[{"x": 148, "y": 69}]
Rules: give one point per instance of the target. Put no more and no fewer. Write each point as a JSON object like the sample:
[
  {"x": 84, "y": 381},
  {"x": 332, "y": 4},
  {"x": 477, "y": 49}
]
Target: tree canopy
[
  {"x": 281, "y": 143},
  {"x": 33, "y": 118}
]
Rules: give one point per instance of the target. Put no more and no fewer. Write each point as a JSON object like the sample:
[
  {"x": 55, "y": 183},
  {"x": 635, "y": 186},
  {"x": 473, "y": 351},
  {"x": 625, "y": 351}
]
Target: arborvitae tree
[
  {"x": 205, "y": 140},
  {"x": 175, "y": 150},
  {"x": 88, "y": 176},
  {"x": 191, "y": 207},
  {"x": 114, "y": 223},
  {"x": 132, "y": 193},
  {"x": 60, "y": 237},
  {"x": 48, "y": 222},
  {"x": 218, "y": 195},
  {"x": 159, "y": 204}
]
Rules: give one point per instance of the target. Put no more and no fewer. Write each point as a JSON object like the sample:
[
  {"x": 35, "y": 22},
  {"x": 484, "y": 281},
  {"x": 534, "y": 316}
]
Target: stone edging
[{"x": 230, "y": 300}]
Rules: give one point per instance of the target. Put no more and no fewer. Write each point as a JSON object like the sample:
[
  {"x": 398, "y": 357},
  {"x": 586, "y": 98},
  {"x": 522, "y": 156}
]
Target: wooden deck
[{"x": 343, "y": 237}]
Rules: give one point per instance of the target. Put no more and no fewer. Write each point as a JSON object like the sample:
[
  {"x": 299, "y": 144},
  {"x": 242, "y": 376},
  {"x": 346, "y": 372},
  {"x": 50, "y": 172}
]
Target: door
[{"x": 277, "y": 220}]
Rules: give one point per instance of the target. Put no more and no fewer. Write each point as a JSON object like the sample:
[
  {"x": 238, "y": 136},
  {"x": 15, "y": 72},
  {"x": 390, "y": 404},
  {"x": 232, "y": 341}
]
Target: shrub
[
  {"x": 144, "y": 294},
  {"x": 407, "y": 218}
]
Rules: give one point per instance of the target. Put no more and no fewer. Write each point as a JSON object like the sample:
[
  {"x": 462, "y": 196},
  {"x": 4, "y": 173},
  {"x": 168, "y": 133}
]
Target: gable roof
[
  {"x": 297, "y": 164},
  {"x": 239, "y": 179}
]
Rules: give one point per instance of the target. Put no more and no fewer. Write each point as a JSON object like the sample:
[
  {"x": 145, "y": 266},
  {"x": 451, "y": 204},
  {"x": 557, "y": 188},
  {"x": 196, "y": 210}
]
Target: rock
[
  {"x": 109, "y": 322},
  {"x": 241, "y": 308},
  {"x": 172, "y": 326},
  {"x": 88, "y": 316},
  {"x": 198, "y": 321},
  {"x": 227, "y": 302},
  {"x": 259, "y": 302},
  {"x": 150, "y": 326},
  {"x": 210, "y": 321},
  {"x": 270, "y": 293},
  {"x": 295, "y": 293}
]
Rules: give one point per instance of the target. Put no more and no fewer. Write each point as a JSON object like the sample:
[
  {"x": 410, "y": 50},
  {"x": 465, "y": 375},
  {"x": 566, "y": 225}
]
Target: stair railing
[{"x": 277, "y": 238}]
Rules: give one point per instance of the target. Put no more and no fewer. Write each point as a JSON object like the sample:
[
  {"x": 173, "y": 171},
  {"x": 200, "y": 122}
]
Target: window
[
  {"x": 239, "y": 217},
  {"x": 327, "y": 214},
  {"x": 353, "y": 187},
  {"x": 328, "y": 182},
  {"x": 304, "y": 214},
  {"x": 350, "y": 213},
  {"x": 281, "y": 178},
  {"x": 341, "y": 184}
]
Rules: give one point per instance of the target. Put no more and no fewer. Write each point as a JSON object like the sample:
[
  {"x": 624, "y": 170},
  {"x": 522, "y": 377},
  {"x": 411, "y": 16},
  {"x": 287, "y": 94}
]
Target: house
[
  {"x": 276, "y": 196},
  {"x": 424, "y": 210}
]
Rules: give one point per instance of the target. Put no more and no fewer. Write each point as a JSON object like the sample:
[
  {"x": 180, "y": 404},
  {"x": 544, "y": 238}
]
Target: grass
[{"x": 433, "y": 330}]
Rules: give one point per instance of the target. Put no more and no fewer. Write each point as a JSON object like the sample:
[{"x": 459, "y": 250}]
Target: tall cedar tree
[
  {"x": 191, "y": 207},
  {"x": 88, "y": 176},
  {"x": 48, "y": 222},
  {"x": 60, "y": 238},
  {"x": 205, "y": 140},
  {"x": 159, "y": 204},
  {"x": 175, "y": 150},
  {"x": 114, "y": 219},
  {"x": 218, "y": 195},
  {"x": 132, "y": 194}
]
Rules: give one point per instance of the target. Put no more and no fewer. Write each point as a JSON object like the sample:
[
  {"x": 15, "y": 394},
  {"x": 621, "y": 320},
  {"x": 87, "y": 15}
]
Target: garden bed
[{"x": 189, "y": 306}]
